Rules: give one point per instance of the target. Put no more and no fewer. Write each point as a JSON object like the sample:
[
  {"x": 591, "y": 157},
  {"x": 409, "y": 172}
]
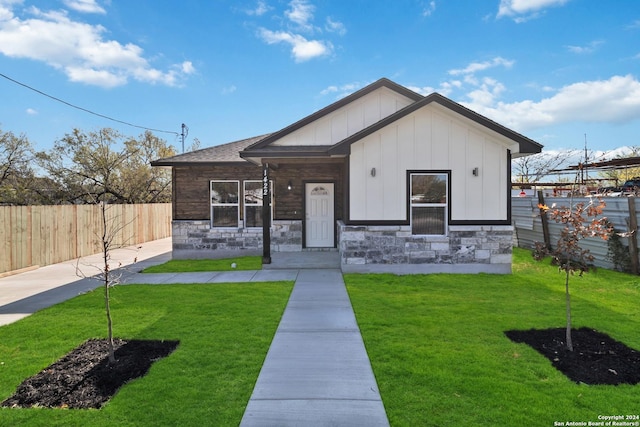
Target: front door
[{"x": 319, "y": 215}]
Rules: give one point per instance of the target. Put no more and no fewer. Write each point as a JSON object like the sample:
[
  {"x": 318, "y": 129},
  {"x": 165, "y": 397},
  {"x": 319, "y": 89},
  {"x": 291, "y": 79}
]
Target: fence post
[
  {"x": 633, "y": 236},
  {"x": 544, "y": 220}
]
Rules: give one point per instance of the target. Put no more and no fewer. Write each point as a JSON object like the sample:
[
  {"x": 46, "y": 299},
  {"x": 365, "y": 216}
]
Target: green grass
[
  {"x": 224, "y": 333},
  {"x": 440, "y": 356},
  {"x": 436, "y": 344},
  {"x": 192, "y": 265}
]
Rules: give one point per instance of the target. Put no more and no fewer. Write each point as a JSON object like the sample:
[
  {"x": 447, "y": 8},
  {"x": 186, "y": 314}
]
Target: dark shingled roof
[{"x": 224, "y": 153}]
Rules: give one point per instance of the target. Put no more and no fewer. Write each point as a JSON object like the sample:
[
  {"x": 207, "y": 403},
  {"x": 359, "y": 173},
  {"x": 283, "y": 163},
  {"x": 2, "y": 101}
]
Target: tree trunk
[
  {"x": 112, "y": 357},
  {"x": 568, "y": 334},
  {"x": 105, "y": 255}
]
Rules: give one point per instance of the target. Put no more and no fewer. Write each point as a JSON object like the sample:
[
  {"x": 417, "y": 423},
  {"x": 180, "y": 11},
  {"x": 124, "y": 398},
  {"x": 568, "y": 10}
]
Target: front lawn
[
  {"x": 194, "y": 265},
  {"x": 224, "y": 333},
  {"x": 436, "y": 343},
  {"x": 440, "y": 356}
]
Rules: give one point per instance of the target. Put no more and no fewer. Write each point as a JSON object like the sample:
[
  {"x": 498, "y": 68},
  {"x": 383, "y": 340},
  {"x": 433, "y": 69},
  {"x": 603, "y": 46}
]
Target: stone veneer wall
[
  {"x": 393, "y": 249},
  {"x": 197, "y": 238}
]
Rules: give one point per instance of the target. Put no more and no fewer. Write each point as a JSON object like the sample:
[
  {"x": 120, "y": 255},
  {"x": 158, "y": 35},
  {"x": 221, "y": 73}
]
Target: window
[
  {"x": 253, "y": 203},
  {"x": 429, "y": 203},
  {"x": 225, "y": 203}
]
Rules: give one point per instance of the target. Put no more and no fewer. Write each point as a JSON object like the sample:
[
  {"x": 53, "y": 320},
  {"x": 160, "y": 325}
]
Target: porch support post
[{"x": 266, "y": 215}]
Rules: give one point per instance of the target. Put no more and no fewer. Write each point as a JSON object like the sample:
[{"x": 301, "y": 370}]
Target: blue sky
[{"x": 553, "y": 70}]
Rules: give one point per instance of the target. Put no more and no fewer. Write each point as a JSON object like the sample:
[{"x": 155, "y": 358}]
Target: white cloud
[
  {"x": 342, "y": 90},
  {"x": 228, "y": 90},
  {"x": 301, "y": 48},
  {"x": 482, "y": 91},
  {"x": 634, "y": 25},
  {"x": 301, "y": 13},
  {"x": 6, "y": 8},
  {"x": 487, "y": 92},
  {"x": 589, "y": 48},
  {"x": 474, "y": 67},
  {"x": 523, "y": 10},
  {"x": 85, "y": 6},
  {"x": 428, "y": 10},
  {"x": 79, "y": 49},
  {"x": 300, "y": 16},
  {"x": 446, "y": 88},
  {"x": 187, "y": 67},
  {"x": 31, "y": 112},
  {"x": 616, "y": 100},
  {"x": 335, "y": 27},
  {"x": 260, "y": 9}
]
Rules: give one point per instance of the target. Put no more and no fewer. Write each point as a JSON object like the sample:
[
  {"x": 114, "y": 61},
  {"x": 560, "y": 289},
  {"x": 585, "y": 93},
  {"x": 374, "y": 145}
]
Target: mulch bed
[
  {"x": 596, "y": 359},
  {"x": 84, "y": 378}
]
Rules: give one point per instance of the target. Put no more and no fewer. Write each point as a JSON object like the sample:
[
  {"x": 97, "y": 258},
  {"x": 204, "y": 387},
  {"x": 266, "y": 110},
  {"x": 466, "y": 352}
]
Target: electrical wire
[{"x": 85, "y": 110}]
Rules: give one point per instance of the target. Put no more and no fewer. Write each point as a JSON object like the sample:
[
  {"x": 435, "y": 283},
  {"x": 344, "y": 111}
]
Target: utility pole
[
  {"x": 185, "y": 132},
  {"x": 585, "y": 177}
]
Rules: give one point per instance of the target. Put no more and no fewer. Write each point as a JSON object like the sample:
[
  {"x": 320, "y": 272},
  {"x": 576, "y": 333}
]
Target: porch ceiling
[{"x": 291, "y": 154}]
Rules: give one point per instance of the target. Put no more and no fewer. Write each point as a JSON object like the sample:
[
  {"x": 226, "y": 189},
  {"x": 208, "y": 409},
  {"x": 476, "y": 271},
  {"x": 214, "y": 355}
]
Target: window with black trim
[
  {"x": 225, "y": 204},
  {"x": 253, "y": 194},
  {"x": 429, "y": 198}
]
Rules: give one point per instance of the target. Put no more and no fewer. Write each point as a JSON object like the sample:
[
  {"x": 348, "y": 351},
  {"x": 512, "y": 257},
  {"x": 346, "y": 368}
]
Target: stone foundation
[
  {"x": 196, "y": 239},
  {"x": 393, "y": 249},
  {"x": 363, "y": 249}
]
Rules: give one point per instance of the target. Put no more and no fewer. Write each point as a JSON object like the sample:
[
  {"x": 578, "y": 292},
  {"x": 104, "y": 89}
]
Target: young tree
[
  {"x": 109, "y": 238},
  {"x": 580, "y": 221}
]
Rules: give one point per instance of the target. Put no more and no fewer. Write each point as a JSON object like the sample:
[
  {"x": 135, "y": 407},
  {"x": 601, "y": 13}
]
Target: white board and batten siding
[
  {"x": 431, "y": 138},
  {"x": 345, "y": 121}
]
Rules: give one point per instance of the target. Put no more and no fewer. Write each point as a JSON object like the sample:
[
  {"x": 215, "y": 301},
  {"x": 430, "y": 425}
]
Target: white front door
[{"x": 319, "y": 215}]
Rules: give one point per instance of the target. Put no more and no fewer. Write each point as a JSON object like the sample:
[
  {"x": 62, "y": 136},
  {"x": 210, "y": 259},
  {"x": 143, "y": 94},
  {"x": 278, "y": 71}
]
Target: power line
[{"x": 85, "y": 110}]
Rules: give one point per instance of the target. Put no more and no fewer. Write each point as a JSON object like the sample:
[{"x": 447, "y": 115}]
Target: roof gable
[
  {"x": 350, "y": 99},
  {"x": 526, "y": 145}
]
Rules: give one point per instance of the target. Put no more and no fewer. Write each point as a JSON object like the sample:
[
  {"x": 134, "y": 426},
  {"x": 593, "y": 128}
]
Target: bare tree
[
  {"x": 530, "y": 169},
  {"x": 195, "y": 145},
  {"x": 109, "y": 239}
]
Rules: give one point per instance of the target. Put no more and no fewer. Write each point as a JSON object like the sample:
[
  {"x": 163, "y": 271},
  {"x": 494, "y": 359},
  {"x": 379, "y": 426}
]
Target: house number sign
[{"x": 265, "y": 180}]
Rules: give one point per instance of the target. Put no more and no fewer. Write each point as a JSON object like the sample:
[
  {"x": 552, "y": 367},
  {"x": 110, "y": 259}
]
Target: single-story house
[{"x": 392, "y": 180}]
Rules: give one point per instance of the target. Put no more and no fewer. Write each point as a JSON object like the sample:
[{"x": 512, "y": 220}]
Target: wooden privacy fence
[
  {"x": 43, "y": 235},
  {"x": 620, "y": 211}
]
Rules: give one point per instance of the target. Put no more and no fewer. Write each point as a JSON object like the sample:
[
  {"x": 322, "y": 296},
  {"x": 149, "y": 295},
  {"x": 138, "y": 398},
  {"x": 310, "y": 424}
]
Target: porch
[{"x": 307, "y": 259}]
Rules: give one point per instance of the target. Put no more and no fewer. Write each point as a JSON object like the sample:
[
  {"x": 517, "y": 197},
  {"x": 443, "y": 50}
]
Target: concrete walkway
[
  {"x": 25, "y": 293},
  {"x": 316, "y": 373}
]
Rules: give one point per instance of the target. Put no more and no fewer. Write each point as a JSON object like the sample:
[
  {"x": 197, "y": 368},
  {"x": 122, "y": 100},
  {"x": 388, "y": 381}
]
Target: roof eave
[{"x": 195, "y": 163}]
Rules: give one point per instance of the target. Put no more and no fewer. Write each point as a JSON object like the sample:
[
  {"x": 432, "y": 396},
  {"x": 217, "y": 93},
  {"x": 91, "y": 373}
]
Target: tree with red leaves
[{"x": 580, "y": 221}]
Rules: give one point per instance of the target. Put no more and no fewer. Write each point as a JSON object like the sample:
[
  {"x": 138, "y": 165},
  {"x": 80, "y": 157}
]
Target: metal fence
[
  {"x": 42, "y": 235},
  {"x": 620, "y": 211}
]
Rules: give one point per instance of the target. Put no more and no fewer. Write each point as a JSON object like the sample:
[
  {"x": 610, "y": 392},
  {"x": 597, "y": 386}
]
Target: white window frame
[
  {"x": 213, "y": 205},
  {"x": 444, "y": 205},
  {"x": 245, "y": 204}
]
